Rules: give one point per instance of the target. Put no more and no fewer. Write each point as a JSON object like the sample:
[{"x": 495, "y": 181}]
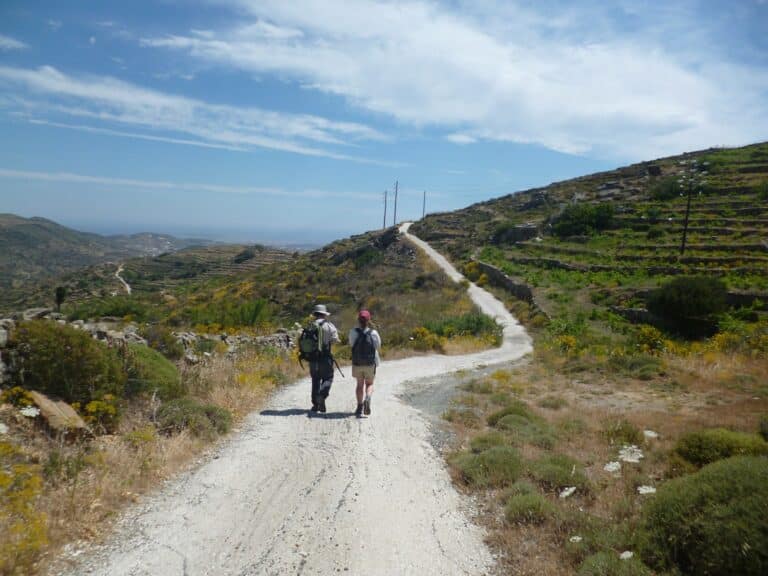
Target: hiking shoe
[
  {"x": 321, "y": 405},
  {"x": 359, "y": 411},
  {"x": 367, "y": 407},
  {"x": 314, "y": 408}
]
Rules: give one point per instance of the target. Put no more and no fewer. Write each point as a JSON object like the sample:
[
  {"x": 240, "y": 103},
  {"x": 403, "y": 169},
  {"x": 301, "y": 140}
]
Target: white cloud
[
  {"x": 8, "y": 43},
  {"x": 48, "y": 93},
  {"x": 54, "y": 24},
  {"x": 92, "y": 40},
  {"x": 492, "y": 70},
  {"x": 67, "y": 177}
]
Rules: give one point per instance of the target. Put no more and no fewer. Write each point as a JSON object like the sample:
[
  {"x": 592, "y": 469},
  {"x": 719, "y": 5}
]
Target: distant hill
[{"x": 32, "y": 249}]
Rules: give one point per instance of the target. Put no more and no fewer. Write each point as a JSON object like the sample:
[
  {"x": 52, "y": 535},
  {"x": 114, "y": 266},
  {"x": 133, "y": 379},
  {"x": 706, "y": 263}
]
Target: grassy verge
[
  {"x": 53, "y": 493},
  {"x": 541, "y": 447}
]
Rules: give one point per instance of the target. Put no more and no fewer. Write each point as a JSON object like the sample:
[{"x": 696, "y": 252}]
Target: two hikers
[
  {"x": 315, "y": 345},
  {"x": 321, "y": 335},
  {"x": 365, "y": 342}
]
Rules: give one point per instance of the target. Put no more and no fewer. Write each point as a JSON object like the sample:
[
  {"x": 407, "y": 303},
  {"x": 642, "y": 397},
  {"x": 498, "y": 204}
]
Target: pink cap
[{"x": 364, "y": 315}]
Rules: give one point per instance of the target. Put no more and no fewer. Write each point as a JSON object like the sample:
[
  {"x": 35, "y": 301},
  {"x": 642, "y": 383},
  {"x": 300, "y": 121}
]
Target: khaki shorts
[{"x": 367, "y": 372}]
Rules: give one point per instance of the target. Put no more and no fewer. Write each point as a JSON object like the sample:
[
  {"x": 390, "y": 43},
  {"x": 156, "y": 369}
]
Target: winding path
[
  {"x": 125, "y": 284},
  {"x": 289, "y": 494}
]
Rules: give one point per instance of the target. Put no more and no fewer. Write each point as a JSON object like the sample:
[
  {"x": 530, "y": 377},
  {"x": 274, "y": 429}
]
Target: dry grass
[
  {"x": 87, "y": 483},
  {"x": 695, "y": 391}
]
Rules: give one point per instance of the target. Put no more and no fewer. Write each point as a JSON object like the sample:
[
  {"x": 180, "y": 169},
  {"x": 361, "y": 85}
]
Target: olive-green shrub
[
  {"x": 712, "y": 522},
  {"x": 64, "y": 362}
]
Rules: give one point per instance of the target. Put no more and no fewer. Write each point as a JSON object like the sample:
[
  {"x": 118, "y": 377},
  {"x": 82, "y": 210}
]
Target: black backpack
[
  {"x": 364, "y": 350},
  {"x": 309, "y": 343}
]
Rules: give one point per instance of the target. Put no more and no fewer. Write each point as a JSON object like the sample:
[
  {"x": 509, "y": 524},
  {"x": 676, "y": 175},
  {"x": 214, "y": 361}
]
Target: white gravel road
[{"x": 290, "y": 494}]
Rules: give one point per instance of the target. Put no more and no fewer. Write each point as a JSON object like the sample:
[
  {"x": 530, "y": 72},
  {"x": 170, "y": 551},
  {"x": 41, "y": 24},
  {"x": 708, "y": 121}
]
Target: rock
[
  {"x": 567, "y": 492},
  {"x": 3, "y": 429},
  {"x": 35, "y": 313},
  {"x": 77, "y": 323},
  {"x": 613, "y": 467},
  {"x": 7, "y": 324},
  {"x": 3, "y": 337},
  {"x": 643, "y": 490},
  {"x": 631, "y": 453},
  {"x": 59, "y": 415},
  {"x": 650, "y": 434},
  {"x": 56, "y": 316},
  {"x": 191, "y": 358},
  {"x": 626, "y": 555}
]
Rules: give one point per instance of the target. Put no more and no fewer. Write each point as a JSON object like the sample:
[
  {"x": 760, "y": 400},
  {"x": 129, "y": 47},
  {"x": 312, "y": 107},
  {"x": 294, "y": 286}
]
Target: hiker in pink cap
[{"x": 365, "y": 342}]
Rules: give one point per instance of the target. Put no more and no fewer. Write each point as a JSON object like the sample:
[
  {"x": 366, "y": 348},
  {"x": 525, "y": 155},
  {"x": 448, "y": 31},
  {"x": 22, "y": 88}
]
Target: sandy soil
[{"x": 294, "y": 494}]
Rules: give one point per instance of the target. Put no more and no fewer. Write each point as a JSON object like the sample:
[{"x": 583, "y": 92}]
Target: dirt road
[{"x": 290, "y": 494}]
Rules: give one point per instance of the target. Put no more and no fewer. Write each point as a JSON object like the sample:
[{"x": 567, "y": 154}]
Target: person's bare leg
[{"x": 360, "y": 389}]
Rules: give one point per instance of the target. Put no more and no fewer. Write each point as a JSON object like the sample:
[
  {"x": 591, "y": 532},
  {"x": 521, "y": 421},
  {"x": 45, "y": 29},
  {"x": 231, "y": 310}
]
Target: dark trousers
[{"x": 322, "y": 378}]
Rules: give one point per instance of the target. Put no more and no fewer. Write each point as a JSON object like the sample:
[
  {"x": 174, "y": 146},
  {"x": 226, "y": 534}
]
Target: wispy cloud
[
  {"x": 48, "y": 94},
  {"x": 571, "y": 80},
  {"x": 70, "y": 178},
  {"x": 8, "y": 43},
  {"x": 54, "y": 24}
]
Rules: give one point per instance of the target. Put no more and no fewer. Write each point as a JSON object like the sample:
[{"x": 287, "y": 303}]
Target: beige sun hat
[{"x": 321, "y": 309}]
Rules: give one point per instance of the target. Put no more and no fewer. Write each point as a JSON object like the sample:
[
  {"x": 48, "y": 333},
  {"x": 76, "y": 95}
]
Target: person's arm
[
  {"x": 352, "y": 337},
  {"x": 334, "y": 333}
]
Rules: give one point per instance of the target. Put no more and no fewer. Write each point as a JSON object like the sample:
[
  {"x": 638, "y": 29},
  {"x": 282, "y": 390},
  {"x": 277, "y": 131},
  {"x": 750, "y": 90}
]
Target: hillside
[
  {"x": 543, "y": 236},
  {"x": 36, "y": 248}
]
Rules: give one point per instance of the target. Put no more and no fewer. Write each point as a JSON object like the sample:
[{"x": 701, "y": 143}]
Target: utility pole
[
  {"x": 385, "y": 210},
  {"x": 394, "y": 219},
  {"x": 424, "y": 204}
]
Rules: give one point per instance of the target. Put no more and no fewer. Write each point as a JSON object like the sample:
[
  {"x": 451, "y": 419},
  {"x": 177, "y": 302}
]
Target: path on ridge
[{"x": 289, "y": 494}]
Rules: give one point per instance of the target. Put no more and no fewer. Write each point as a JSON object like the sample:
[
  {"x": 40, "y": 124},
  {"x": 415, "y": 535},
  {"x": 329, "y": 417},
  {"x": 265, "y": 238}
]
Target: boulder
[
  {"x": 35, "y": 313},
  {"x": 3, "y": 337},
  {"x": 7, "y": 323},
  {"x": 58, "y": 415}
]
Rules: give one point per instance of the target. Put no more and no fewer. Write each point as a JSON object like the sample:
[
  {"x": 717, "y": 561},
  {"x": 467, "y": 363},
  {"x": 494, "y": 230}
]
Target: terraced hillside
[{"x": 639, "y": 245}]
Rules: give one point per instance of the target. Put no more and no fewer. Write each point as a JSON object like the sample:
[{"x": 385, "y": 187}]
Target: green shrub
[
  {"x": 483, "y": 442},
  {"x": 707, "y": 446},
  {"x": 465, "y": 416},
  {"x": 609, "y": 564},
  {"x": 532, "y": 508},
  {"x": 64, "y": 362},
  {"x": 149, "y": 371},
  {"x": 620, "y": 432},
  {"x": 712, "y": 522},
  {"x": 517, "y": 407},
  {"x": 204, "y": 420},
  {"x": 689, "y": 297},
  {"x": 557, "y": 471},
  {"x": 535, "y": 431},
  {"x": 496, "y": 467},
  {"x": 161, "y": 339},
  {"x": 666, "y": 189},
  {"x": 578, "y": 219}
]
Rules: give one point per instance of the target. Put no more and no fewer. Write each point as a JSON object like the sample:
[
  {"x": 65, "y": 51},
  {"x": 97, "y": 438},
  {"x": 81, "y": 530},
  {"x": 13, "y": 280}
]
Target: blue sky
[{"x": 268, "y": 120}]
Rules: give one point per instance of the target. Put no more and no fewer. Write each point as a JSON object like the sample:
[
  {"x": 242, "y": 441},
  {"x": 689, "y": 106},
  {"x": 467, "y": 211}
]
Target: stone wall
[
  {"x": 519, "y": 290},
  {"x": 115, "y": 331}
]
